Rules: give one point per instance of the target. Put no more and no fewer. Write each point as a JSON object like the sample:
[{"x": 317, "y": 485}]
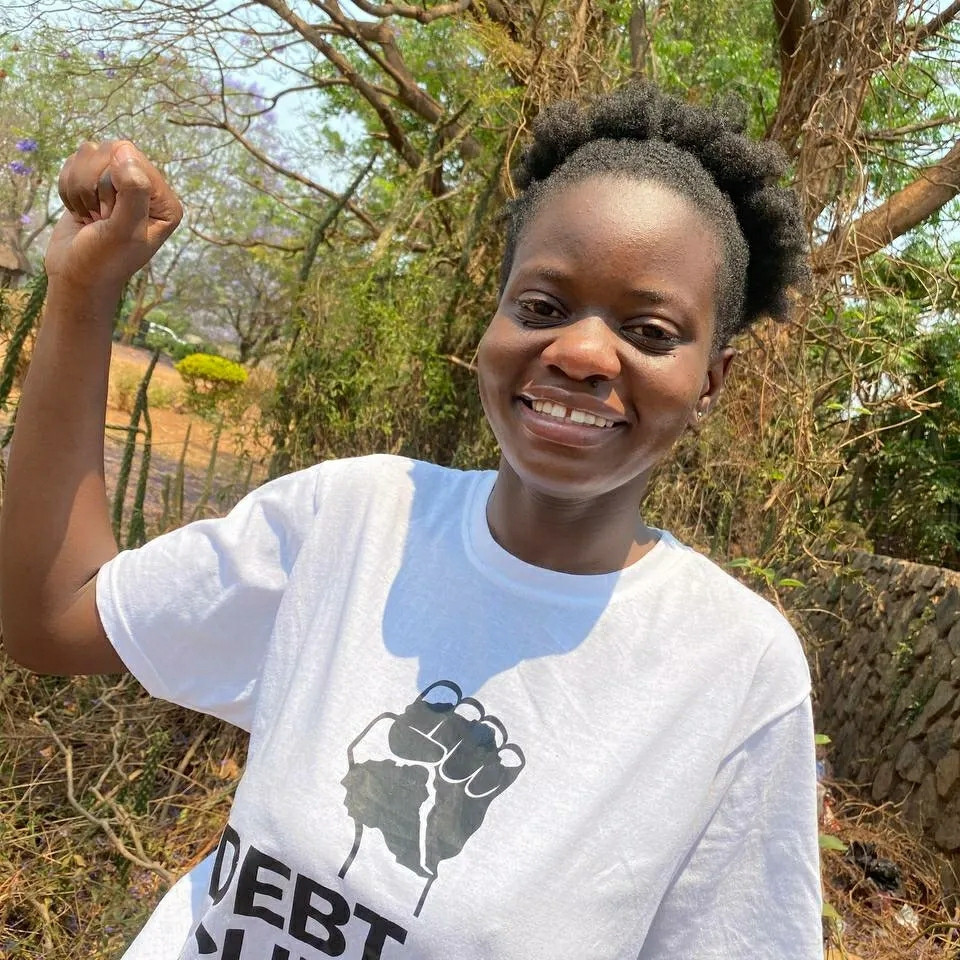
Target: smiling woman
[{"x": 493, "y": 714}]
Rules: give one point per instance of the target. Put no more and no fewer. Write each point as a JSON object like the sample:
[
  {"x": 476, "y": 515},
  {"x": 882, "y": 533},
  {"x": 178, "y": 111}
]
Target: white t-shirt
[{"x": 455, "y": 755}]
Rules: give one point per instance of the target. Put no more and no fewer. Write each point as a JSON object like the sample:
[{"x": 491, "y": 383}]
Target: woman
[{"x": 492, "y": 715}]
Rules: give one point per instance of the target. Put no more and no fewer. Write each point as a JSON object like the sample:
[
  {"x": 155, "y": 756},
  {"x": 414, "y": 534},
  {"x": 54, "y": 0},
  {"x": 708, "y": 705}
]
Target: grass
[
  {"x": 108, "y": 795},
  {"x": 916, "y": 923}
]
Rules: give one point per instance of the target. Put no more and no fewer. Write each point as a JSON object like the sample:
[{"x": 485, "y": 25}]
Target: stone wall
[{"x": 883, "y": 638}]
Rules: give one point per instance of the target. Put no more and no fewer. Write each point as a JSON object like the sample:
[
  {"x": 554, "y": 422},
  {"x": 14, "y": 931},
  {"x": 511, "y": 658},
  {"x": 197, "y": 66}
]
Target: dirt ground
[{"x": 240, "y": 453}]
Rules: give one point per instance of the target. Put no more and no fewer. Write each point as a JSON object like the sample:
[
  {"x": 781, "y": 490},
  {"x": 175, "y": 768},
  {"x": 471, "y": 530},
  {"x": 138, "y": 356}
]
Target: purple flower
[
  {"x": 64, "y": 54},
  {"x": 101, "y": 54},
  {"x": 25, "y": 219},
  {"x": 27, "y": 145},
  {"x": 18, "y": 166},
  {"x": 110, "y": 72}
]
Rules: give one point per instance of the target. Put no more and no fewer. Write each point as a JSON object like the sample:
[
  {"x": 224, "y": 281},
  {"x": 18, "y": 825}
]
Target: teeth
[{"x": 551, "y": 409}]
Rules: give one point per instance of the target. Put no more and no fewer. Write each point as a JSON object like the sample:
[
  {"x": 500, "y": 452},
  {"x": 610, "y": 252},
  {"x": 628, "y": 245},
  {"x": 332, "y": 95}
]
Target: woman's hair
[{"x": 642, "y": 133}]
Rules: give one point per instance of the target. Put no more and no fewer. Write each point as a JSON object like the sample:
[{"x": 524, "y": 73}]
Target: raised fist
[
  {"x": 425, "y": 778},
  {"x": 120, "y": 210}
]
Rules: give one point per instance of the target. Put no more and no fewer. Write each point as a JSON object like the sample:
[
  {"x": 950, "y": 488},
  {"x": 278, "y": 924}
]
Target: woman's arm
[{"x": 55, "y": 530}]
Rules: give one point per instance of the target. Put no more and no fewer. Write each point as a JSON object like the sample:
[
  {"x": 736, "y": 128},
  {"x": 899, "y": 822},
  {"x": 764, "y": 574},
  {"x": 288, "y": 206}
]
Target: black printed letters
[{"x": 309, "y": 912}]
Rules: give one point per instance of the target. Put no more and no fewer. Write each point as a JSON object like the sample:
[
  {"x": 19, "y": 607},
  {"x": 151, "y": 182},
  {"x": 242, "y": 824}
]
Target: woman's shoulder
[
  {"x": 711, "y": 582},
  {"x": 732, "y": 609},
  {"x": 383, "y": 482},
  {"x": 747, "y": 639},
  {"x": 371, "y": 470}
]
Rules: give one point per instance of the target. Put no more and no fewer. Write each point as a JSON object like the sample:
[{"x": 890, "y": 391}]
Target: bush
[
  {"x": 162, "y": 396},
  {"x": 211, "y": 382},
  {"x": 124, "y": 381}
]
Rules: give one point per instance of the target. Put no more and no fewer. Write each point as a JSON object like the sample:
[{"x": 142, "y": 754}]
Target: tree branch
[
  {"x": 395, "y": 133},
  {"x": 391, "y": 62},
  {"x": 902, "y": 211},
  {"x": 420, "y": 14},
  {"x": 257, "y": 153},
  {"x": 639, "y": 38},
  {"x": 791, "y": 18},
  {"x": 897, "y": 133},
  {"x": 244, "y": 244},
  {"x": 935, "y": 25}
]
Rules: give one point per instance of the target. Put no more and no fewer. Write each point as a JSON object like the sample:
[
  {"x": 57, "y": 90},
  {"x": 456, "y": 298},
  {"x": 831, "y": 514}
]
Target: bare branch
[
  {"x": 904, "y": 210},
  {"x": 245, "y": 244},
  {"x": 104, "y": 825},
  {"x": 935, "y": 25},
  {"x": 420, "y": 14},
  {"x": 395, "y": 134},
  {"x": 409, "y": 92},
  {"x": 897, "y": 133},
  {"x": 257, "y": 153}
]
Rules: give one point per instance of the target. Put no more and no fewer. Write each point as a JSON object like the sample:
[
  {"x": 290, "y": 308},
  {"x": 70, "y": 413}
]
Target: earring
[{"x": 699, "y": 415}]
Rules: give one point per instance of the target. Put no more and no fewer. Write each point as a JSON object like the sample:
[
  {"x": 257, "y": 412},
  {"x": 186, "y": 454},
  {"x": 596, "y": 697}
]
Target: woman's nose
[{"x": 586, "y": 349}]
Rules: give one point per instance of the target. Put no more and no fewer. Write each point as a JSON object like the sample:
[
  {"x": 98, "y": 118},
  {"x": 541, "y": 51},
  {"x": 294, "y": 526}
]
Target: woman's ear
[{"x": 713, "y": 382}]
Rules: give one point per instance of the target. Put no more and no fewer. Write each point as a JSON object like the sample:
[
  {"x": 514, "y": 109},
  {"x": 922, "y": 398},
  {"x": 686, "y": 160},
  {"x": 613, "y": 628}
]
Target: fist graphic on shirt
[{"x": 425, "y": 778}]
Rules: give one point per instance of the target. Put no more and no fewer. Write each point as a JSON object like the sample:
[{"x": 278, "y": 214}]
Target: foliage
[
  {"x": 211, "y": 381},
  {"x": 373, "y": 371},
  {"x": 92, "y": 823},
  {"x": 904, "y": 486},
  {"x": 124, "y": 380}
]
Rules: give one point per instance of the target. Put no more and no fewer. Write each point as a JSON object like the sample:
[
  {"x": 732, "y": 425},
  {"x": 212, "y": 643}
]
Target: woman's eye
[
  {"x": 652, "y": 334},
  {"x": 539, "y": 310}
]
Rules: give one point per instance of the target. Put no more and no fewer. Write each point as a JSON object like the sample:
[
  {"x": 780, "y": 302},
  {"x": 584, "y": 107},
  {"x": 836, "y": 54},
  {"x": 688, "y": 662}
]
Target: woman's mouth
[{"x": 569, "y": 426}]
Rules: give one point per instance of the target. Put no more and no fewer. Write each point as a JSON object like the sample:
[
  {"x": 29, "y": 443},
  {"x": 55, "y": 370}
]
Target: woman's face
[{"x": 601, "y": 350}]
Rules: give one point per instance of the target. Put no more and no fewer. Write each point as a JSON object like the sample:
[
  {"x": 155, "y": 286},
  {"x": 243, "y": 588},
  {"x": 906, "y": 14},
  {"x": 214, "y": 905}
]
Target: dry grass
[
  {"x": 916, "y": 922},
  {"x": 107, "y": 796}
]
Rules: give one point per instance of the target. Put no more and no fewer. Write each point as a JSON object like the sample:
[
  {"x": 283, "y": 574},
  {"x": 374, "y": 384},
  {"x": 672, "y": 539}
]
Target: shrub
[
  {"x": 124, "y": 381},
  {"x": 162, "y": 396},
  {"x": 211, "y": 382}
]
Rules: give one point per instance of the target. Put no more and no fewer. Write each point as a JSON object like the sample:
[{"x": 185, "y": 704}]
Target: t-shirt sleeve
[
  {"x": 191, "y": 613},
  {"x": 750, "y": 886}
]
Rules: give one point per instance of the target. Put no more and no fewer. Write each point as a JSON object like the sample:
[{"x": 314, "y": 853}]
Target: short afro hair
[{"x": 702, "y": 153}]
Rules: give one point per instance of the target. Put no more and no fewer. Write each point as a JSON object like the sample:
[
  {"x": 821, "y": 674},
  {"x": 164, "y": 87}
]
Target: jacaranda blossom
[
  {"x": 27, "y": 145},
  {"x": 18, "y": 166}
]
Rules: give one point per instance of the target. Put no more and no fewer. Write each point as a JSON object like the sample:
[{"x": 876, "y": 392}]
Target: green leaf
[
  {"x": 829, "y": 913},
  {"x": 790, "y": 582},
  {"x": 821, "y": 739},
  {"x": 830, "y": 842}
]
